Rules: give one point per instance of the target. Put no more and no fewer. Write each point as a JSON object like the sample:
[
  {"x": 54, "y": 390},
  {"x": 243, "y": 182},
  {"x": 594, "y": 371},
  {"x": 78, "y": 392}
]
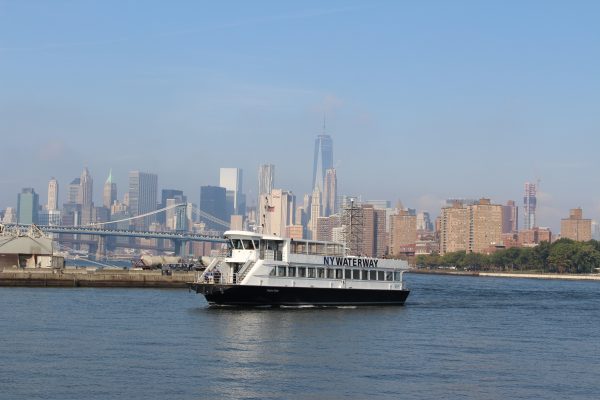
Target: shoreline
[
  {"x": 99, "y": 278},
  {"x": 518, "y": 275}
]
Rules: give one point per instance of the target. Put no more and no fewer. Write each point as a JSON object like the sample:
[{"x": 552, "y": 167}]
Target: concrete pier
[{"x": 42, "y": 277}]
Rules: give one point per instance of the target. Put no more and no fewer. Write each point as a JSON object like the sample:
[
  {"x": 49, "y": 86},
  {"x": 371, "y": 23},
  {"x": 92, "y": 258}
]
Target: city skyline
[{"x": 434, "y": 100}]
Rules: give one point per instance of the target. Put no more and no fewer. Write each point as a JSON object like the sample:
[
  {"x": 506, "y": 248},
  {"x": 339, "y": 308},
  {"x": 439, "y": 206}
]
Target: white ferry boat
[{"x": 264, "y": 270}]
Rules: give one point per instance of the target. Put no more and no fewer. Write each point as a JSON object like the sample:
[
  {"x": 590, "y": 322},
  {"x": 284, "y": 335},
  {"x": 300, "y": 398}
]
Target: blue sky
[{"x": 424, "y": 100}]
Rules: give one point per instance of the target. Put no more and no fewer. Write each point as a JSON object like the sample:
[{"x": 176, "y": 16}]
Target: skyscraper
[
  {"x": 316, "y": 207},
  {"x": 212, "y": 201},
  {"x": 86, "y": 188},
  {"x": 277, "y": 212},
  {"x": 52, "y": 195},
  {"x": 529, "y": 202},
  {"x": 86, "y": 192},
  {"x": 323, "y": 160},
  {"x": 110, "y": 192},
  {"x": 28, "y": 204},
  {"x": 166, "y": 194},
  {"x": 330, "y": 192},
  {"x": 510, "y": 217},
  {"x": 143, "y": 189},
  {"x": 73, "y": 195},
  {"x": 266, "y": 179},
  {"x": 231, "y": 180}
]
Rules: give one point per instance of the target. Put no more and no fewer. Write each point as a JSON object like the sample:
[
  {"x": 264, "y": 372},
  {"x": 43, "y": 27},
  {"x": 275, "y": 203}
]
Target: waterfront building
[
  {"x": 485, "y": 226},
  {"x": 453, "y": 228},
  {"x": 266, "y": 179},
  {"x": 403, "y": 234},
  {"x": 576, "y": 227},
  {"x": 212, "y": 202},
  {"x": 323, "y": 159},
  {"x": 28, "y": 204},
  {"x": 529, "y": 206},
  {"x": 533, "y": 237},
  {"x": 232, "y": 180},
  {"x": 109, "y": 194},
  {"x": 510, "y": 217},
  {"x": 52, "y": 204},
  {"x": 143, "y": 190},
  {"x": 475, "y": 228}
]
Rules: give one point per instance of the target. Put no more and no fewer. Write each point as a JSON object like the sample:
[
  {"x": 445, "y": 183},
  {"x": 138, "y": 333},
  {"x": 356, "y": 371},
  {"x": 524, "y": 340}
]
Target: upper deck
[{"x": 245, "y": 246}]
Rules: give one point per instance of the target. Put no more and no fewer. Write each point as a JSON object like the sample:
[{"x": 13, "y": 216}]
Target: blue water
[{"x": 456, "y": 337}]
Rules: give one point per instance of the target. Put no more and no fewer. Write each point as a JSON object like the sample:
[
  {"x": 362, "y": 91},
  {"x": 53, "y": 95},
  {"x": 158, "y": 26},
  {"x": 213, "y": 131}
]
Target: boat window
[
  {"x": 320, "y": 272},
  {"x": 321, "y": 249},
  {"x": 373, "y": 275},
  {"x": 389, "y": 276},
  {"x": 255, "y": 243},
  {"x": 292, "y": 271},
  {"x": 248, "y": 245},
  {"x": 311, "y": 272},
  {"x": 280, "y": 271},
  {"x": 339, "y": 273},
  {"x": 365, "y": 275},
  {"x": 237, "y": 244},
  {"x": 299, "y": 247},
  {"x": 272, "y": 272},
  {"x": 302, "y": 272},
  {"x": 397, "y": 276},
  {"x": 348, "y": 274},
  {"x": 380, "y": 275},
  {"x": 356, "y": 274},
  {"x": 330, "y": 273}
]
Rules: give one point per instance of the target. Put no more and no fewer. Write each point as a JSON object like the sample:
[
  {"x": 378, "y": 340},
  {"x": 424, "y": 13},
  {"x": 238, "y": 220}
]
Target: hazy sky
[{"x": 424, "y": 99}]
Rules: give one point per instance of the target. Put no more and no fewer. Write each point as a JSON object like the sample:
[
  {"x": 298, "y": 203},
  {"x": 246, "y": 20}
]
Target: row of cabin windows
[
  {"x": 336, "y": 273},
  {"x": 296, "y": 247}
]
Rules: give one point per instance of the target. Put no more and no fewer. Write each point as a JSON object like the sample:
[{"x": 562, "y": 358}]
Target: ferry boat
[{"x": 265, "y": 270}]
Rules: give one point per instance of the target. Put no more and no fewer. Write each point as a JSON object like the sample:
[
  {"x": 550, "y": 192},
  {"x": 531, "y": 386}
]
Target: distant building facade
[
  {"x": 28, "y": 204},
  {"x": 323, "y": 160},
  {"x": 403, "y": 234},
  {"x": 212, "y": 201},
  {"x": 52, "y": 204},
  {"x": 576, "y": 227},
  {"x": 510, "y": 217},
  {"x": 143, "y": 190},
  {"x": 529, "y": 206}
]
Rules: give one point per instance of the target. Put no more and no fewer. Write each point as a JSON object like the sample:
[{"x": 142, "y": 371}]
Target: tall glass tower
[
  {"x": 323, "y": 160},
  {"x": 530, "y": 203}
]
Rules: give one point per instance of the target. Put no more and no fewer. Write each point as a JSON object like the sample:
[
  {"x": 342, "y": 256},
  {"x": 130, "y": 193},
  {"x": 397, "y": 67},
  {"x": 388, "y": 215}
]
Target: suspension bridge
[{"x": 105, "y": 229}]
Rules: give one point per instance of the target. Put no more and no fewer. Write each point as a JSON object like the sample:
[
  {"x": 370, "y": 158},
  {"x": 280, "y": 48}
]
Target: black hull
[{"x": 245, "y": 295}]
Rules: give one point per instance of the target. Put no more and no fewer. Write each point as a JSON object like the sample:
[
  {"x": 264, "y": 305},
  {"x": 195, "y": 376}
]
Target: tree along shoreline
[{"x": 564, "y": 256}]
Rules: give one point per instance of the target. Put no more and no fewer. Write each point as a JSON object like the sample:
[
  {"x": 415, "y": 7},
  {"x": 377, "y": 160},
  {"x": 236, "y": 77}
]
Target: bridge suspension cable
[
  {"x": 195, "y": 210},
  {"x": 96, "y": 224}
]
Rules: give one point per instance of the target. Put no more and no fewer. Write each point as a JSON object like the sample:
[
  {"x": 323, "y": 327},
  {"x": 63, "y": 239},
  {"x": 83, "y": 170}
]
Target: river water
[{"x": 456, "y": 338}]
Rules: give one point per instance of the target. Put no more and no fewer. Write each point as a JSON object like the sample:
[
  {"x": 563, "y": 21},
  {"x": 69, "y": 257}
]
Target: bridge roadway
[
  {"x": 178, "y": 238},
  {"x": 86, "y": 230}
]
